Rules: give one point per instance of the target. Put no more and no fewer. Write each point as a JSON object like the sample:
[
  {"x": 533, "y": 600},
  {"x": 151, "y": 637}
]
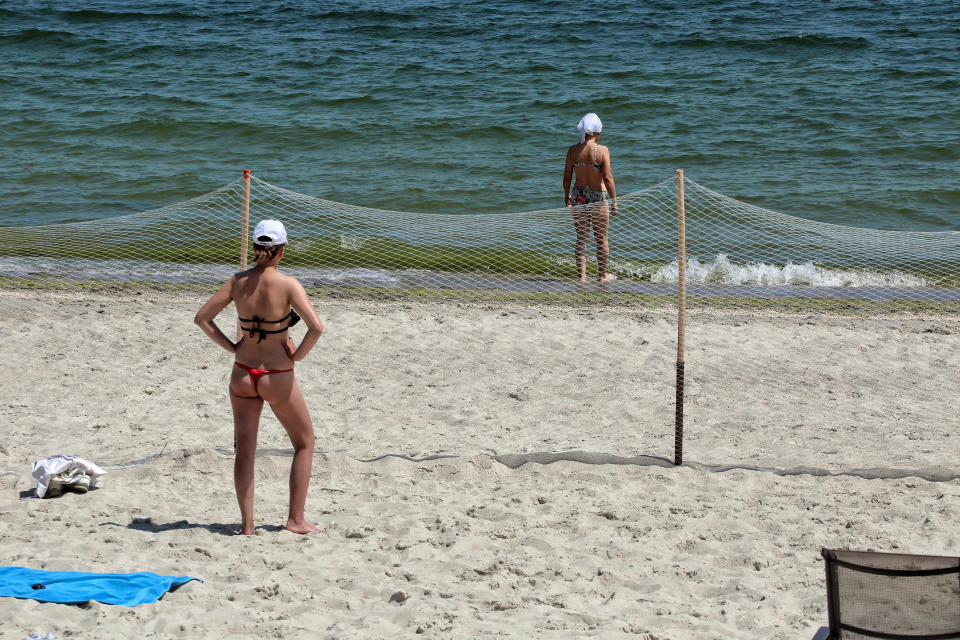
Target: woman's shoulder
[
  {"x": 287, "y": 281},
  {"x": 240, "y": 275}
]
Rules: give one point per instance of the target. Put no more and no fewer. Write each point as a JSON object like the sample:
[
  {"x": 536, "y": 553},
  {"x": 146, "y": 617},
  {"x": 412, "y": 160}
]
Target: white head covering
[
  {"x": 589, "y": 123},
  {"x": 269, "y": 233}
]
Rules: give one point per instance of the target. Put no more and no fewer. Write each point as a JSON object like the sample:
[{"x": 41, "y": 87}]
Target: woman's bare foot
[
  {"x": 607, "y": 277},
  {"x": 302, "y": 527},
  {"x": 248, "y": 531}
]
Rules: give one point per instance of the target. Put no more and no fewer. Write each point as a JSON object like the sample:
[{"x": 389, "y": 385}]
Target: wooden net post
[
  {"x": 244, "y": 229},
  {"x": 681, "y": 317},
  {"x": 245, "y": 223}
]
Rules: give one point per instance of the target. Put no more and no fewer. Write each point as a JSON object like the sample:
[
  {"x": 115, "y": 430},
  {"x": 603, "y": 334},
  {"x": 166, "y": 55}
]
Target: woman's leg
[
  {"x": 581, "y": 222},
  {"x": 601, "y": 227},
  {"x": 283, "y": 394},
  {"x": 246, "y": 422}
]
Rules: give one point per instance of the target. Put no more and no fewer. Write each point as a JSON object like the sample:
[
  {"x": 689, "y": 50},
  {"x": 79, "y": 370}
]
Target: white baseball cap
[{"x": 269, "y": 233}]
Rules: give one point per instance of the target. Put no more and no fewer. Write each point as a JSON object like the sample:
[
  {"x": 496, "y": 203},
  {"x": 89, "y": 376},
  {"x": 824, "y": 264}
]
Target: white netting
[
  {"x": 197, "y": 242},
  {"x": 734, "y": 250},
  {"x": 874, "y": 346},
  {"x": 821, "y": 289}
]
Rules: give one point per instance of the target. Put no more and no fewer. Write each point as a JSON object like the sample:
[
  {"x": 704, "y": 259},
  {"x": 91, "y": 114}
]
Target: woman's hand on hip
[{"x": 291, "y": 348}]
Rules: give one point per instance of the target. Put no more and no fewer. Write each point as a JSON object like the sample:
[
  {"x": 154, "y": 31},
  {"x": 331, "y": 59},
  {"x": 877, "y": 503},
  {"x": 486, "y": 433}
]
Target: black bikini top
[{"x": 256, "y": 329}]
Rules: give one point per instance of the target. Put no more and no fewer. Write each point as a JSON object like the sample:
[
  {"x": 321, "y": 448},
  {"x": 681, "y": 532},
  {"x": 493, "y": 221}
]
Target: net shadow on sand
[{"x": 517, "y": 460}]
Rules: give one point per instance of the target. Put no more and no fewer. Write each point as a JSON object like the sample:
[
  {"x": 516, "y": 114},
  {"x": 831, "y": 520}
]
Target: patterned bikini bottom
[{"x": 586, "y": 195}]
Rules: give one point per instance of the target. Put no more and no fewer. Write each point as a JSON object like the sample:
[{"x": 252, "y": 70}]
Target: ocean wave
[
  {"x": 181, "y": 126},
  {"x": 799, "y": 40},
  {"x": 146, "y": 56},
  {"x": 323, "y": 63},
  {"x": 410, "y": 67},
  {"x": 369, "y": 15},
  {"x": 539, "y": 66},
  {"x": 37, "y": 35},
  {"x": 468, "y": 130},
  {"x": 156, "y": 271},
  {"x": 433, "y": 31},
  {"x": 818, "y": 41},
  {"x": 559, "y": 102},
  {"x": 721, "y": 271},
  {"x": 947, "y": 85},
  {"x": 144, "y": 271},
  {"x": 940, "y": 152},
  {"x": 100, "y": 16},
  {"x": 363, "y": 98},
  {"x": 898, "y": 73},
  {"x": 622, "y": 74}
]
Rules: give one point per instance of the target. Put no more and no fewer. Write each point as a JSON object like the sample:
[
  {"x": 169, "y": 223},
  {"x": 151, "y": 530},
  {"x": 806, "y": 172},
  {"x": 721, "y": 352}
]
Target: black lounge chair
[{"x": 894, "y": 596}]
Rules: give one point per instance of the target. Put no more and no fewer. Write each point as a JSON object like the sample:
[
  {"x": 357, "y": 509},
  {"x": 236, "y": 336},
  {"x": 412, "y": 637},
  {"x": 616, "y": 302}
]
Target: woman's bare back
[
  {"x": 588, "y": 161},
  {"x": 263, "y": 295}
]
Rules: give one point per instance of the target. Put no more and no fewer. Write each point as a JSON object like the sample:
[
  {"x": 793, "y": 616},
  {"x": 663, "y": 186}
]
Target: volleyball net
[
  {"x": 733, "y": 268},
  {"x": 736, "y": 252}
]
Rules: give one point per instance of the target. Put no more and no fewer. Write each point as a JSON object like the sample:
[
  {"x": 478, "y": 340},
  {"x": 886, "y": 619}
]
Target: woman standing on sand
[
  {"x": 263, "y": 369},
  {"x": 593, "y": 189}
]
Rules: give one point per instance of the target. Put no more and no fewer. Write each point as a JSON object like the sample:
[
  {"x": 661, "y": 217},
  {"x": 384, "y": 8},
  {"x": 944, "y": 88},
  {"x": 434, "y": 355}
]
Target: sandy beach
[{"x": 482, "y": 470}]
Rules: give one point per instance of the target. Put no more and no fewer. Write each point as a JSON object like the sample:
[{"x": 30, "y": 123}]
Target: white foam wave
[
  {"x": 722, "y": 271},
  {"x": 171, "y": 272},
  {"x": 354, "y": 243}
]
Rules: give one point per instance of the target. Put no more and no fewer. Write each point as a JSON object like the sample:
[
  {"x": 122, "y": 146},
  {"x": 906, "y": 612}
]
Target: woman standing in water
[
  {"x": 263, "y": 369},
  {"x": 591, "y": 192}
]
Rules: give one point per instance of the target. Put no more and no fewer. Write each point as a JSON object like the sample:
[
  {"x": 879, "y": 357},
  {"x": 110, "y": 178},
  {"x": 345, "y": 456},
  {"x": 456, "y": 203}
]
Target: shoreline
[{"x": 700, "y": 299}]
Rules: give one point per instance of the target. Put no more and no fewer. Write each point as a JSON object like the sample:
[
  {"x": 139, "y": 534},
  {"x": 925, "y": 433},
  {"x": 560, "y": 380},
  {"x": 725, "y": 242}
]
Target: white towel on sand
[{"x": 63, "y": 469}]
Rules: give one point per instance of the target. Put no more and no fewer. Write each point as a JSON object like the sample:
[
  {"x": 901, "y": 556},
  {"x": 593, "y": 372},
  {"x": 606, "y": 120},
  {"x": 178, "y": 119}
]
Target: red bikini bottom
[{"x": 256, "y": 373}]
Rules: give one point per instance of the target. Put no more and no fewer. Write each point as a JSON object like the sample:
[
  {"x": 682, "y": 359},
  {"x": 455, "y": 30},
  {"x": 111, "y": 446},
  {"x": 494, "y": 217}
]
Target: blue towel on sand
[{"x": 127, "y": 589}]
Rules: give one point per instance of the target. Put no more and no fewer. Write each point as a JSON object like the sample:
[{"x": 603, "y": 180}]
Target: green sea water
[{"x": 840, "y": 112}]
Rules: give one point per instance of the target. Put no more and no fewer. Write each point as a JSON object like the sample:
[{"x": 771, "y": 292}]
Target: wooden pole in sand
[
  {"x": 681, "y": 317},
  {"x": 244, "y": 229},
  {"x": 245, "y": 223}
]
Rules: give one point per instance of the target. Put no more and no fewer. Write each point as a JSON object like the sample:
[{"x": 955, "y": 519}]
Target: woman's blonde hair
[{"x": 263, "y": 254}]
